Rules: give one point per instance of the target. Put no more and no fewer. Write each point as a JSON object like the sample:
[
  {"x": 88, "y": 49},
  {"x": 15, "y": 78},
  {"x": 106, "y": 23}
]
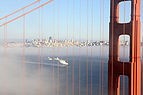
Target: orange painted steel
[
  {"x": 73, "y": 81},
  {"x": 91, "y": 48},
  {"x": 87, "y": 51},
  {"x": 26, "y": 13},
  {"x": 80, "y": 51},
  {"x": 67, "y": 48},
  {"x": 132, "y": 69},
  {"x": 20, "y": 9},
  {"x": 53, "y": 84},
  {"x": 23, "y": 65}
]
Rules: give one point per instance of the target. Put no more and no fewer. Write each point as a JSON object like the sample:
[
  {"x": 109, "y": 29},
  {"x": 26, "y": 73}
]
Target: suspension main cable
[
  {"x": 20, "y": 9},
  {"x": 26, "y": 13}
]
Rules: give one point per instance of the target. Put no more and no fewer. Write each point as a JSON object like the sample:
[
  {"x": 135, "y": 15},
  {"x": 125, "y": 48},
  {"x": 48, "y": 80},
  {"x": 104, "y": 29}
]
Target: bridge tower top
[
  {"x": 114, "y": 10},
  {"x": 133, "y": 29}
]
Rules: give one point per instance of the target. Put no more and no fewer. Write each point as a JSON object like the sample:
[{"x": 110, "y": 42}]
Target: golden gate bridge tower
[{"x": 116, "y": 68}]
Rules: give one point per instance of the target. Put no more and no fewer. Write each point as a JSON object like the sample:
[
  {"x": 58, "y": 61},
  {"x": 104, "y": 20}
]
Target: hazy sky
[{"x": 58, "y": 10}]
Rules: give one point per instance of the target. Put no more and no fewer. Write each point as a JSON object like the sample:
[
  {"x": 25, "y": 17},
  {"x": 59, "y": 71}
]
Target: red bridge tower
[{"x": 132, "y": 69}]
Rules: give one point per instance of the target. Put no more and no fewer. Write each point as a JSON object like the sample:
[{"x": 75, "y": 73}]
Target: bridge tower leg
[{"x": 132, "y": 69}]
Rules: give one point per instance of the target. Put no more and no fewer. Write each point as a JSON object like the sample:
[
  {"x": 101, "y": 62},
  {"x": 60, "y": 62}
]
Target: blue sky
[{"x": 50, "y": 21}]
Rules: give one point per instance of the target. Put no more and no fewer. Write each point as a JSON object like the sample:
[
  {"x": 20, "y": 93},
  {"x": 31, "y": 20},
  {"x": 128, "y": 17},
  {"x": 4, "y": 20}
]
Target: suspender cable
[
  {"x": 100, "y": 51},
  {"x": 5, "y": 58},
  {"x": 73, "y": 48},
  {"x": 103, "y": 50},
  {"x": 91, "y": 42},
  {"x": 79, "y": 47},
  {"x": 53, "y": 47},
  {"x": 87, "y": 54},
  {"x": 5, "y": 40},
  {"x": 67, "y": 49},
  {"x": 58, "y": 44},
  {"x": 142, "y": 60},
  {"x": 23, "y": 90},
  {"x": 41, "y": 51}
]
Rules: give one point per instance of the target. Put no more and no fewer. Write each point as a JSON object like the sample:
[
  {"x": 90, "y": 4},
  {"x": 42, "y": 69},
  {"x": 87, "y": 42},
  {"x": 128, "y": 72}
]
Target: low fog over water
[{"x": 16, "y": 78}]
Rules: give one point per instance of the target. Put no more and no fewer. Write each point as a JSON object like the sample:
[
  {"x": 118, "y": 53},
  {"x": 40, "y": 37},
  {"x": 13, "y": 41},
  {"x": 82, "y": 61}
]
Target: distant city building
[
  {"x": 50, "y": 38},
  {"x": 62, "y": 43}
]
